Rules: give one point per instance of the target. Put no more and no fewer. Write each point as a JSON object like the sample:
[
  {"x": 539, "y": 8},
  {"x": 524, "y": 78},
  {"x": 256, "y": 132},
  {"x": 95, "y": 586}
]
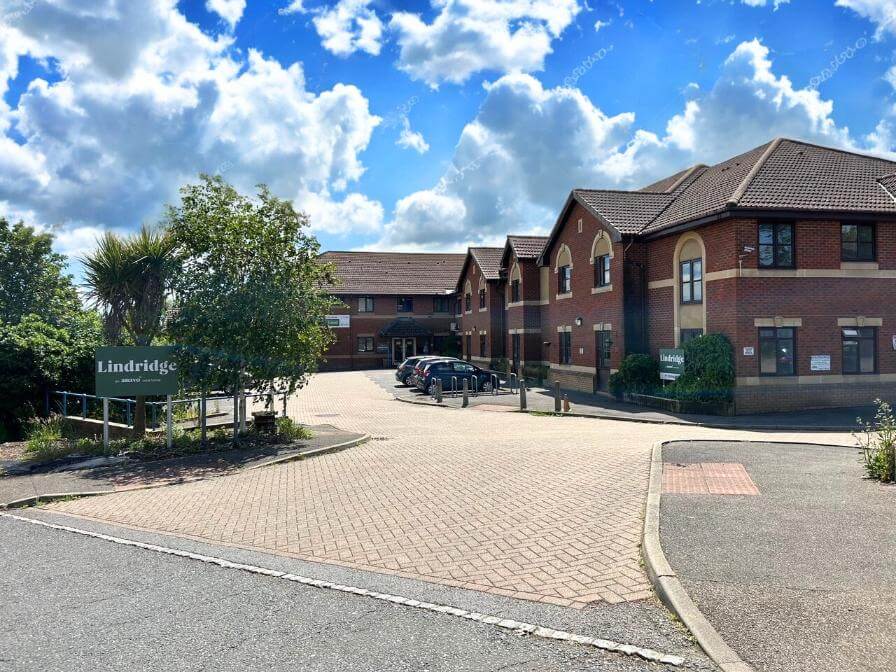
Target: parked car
[
  {"x": 417, "y": 373},
  {"x": 406, "y": 369},
  {"x": 446, "y": 370}
]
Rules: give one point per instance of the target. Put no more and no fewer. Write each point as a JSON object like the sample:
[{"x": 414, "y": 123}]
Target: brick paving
[
  {"x": 540, "y": 508},
  {"x": 708, "y": 478}
]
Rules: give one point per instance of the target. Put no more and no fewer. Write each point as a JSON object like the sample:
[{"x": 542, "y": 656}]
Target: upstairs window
[
  {"x": 857, "y": 242},
  {"x": 564, "y": 280},
  {"x": 692, "y": 281},
  {"x": 440, "y": 304},
  {"x": 468, "y": 302},
  {"x": 859, "y": 349},
  {"x": 602, "y": 271},
  {"x": 515, "y": 291},
  {"x": 482, "y": 298},
  {"x": 776, "y": 245},
  {"x": 365, "y": 304},
  {"x": 405, "y": 304}
]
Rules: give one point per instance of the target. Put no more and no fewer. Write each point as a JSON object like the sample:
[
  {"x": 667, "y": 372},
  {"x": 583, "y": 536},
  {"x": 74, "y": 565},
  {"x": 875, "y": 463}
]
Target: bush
[
  {"x": 44, "y": 439},
  {"x": 499, "y": 364},
  {"x": 708, "y": 371},
  {"x": 878, "y": 442},
  {"x": 638, "y": 374},
  {"x": 289, "y": 429},
  {"x": 536, "y": 372}
]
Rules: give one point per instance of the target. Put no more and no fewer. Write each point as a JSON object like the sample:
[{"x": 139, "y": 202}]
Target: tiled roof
[
  {"x": 527, "y": 247},
  {"x": 625, "y": 211},
  {"x": 394, "y": 272},
  {"x": 674, "y": 182},
  {"x": 489, "y": 261},
  {"x": 888, "y": 182}
]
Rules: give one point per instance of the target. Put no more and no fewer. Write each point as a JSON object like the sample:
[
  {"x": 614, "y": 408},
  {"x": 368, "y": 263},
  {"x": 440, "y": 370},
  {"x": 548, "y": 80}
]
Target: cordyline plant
[
  {"x": 878, "y": 442},
  {"x": 249, "y": 308}
]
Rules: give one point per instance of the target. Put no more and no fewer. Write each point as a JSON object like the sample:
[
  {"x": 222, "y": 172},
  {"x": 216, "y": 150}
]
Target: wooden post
[
  {"x": 106, "y": 424},
  {"x": 557, "y": 399},
  {"x": 169, "y": 427}
]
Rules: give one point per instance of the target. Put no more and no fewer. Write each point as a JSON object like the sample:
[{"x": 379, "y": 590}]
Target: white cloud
[
  {"x": 599, "y": 25},
  {"x": 349, "y": 26},
  {"x": 763, "y": 3},
  {"x": 355, "y": 214},
  {"x": 881, "y": 12},
  {"x": 411, "y": 139},
  {"x": 229, "y": 10},
  {"x": 294, "y": 7},
  {"x": 470, "y": 36},
  {"x": 515, "y": 163},
  {"x": 146, "y": 101}
]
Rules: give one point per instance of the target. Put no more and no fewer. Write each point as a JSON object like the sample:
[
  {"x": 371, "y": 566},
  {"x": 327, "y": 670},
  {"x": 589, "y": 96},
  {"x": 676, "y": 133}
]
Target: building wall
[
  {"x": 524, "y": 316},
  {"x": 599, "y": 309},
  {"x": 343, "y": 354},
  {"x": 478, "y": 321}
]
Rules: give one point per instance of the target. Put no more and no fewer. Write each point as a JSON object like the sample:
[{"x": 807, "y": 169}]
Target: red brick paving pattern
[
  {"x": 538, "y": 508},
  {"x": 708, "y": 478}
]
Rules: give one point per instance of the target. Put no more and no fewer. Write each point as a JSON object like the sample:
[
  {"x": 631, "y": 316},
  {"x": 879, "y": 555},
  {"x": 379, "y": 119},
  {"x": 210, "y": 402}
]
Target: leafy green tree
[
  {"x": 130, "y": 278},
  {"x": 47, "y": 339},
  {"x": 249, "y": 307}
]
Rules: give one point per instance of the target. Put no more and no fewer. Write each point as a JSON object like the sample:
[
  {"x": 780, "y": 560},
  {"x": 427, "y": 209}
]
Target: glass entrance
[{"x": 402, "y": 348}]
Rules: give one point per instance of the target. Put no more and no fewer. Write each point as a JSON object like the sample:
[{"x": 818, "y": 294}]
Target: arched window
[
  {"x": 482, "y": 293},
  {"x": 468, "y": 297},
  {"x": 563, "y": 269},
  {"x": 601, "y": 258},
  {"x": 516, "y": 280},
  {"x": 689, "y": 264}
]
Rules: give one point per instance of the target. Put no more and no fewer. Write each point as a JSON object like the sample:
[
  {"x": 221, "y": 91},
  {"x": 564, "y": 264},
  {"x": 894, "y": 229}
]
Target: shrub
[
  {"x": 500, "y": 364},
  {"x": 708, "y": 370},
  {"x": 878, "y": 442},
  {"x": 536, "y": 372},
  {"x": 44, "y": 439},
  {"x": 638, "y": 374},
  {"x": 290, "y": 429}
]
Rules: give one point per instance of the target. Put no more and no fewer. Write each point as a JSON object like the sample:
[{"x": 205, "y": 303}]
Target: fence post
[
  {"x": 522, "y": 397},
  {"x": 127, "y": 412},
  {"x": 203, "y": 421},
  {"x": 557, "y": 396},
  {"x": 466, "y": 401},
  {"x": 155, "y": 415},
  {"x": 64, "y": 403},
  {"x": 169, "y": 432},
  {"x": 83, "y": 406},
  {"x": 106, "y": 424}
]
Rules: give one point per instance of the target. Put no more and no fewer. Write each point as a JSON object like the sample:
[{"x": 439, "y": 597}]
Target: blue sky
[{"x": 415, "y": 125}]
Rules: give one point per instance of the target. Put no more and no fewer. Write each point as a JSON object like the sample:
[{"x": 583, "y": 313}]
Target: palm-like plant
[{"x": 129, "y": 279}]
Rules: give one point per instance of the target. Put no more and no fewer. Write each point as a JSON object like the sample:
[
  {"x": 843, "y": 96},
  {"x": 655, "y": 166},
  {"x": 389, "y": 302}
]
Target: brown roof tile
[
  {"x": 409, "y": 273},
  {"x": 489, "y": 261},
  {"x": 527, "y": 247}
]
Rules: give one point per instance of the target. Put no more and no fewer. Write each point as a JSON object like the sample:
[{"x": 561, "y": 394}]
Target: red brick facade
[{"x": 481, "y": 324}]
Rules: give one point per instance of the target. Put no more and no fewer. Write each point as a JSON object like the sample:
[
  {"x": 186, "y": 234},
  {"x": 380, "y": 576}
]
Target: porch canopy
[{"x": 405, "y": 327}]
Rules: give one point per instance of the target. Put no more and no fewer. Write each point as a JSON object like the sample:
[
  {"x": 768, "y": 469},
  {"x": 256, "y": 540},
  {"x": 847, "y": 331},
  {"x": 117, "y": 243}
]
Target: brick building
[
  {"x": 788, "y": 249},
  {"x": 391, "y": 306}
]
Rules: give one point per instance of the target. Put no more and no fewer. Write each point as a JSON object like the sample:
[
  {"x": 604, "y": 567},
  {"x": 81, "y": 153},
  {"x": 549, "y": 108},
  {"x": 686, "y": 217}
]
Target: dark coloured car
[
  {"x": 453, "y": 373},
  {"x": 406, "y": 369}
]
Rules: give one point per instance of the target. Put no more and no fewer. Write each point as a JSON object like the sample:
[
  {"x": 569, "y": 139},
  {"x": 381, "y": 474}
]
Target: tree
[
  {"x": 47, "y": 339},
  {"x": 249, "y": 307},
  {"x": 130, "y": 279}
]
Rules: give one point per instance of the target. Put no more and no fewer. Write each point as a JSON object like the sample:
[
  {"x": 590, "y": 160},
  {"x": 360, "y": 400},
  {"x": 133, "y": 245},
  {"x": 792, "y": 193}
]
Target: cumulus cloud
[
  {"x": 881, "y": 12},
  {"x": 350, "y": 26},
  {"x": 411, "y": 139},
  {"x": 515, "y": 163},
  {"x": 763, "y": 3},
  {"x": 145, "y": 101},
  {"x": 229, "y": 10},
  {"x": 469, "y": 36}
]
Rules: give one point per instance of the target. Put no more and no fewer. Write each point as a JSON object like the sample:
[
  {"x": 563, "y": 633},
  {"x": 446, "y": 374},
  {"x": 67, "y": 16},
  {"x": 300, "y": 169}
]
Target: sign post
[
  {"x": 671, "y": 363},
  {"x": 169, "y": 430},
  {"x": 131, "y": 372}
]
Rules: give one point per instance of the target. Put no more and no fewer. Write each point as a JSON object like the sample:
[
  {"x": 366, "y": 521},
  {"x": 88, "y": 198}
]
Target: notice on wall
[
  {"x": 749, "y": 351},
  {"x": 820, "y": 363},
  {"x": 338, "y": 321}
]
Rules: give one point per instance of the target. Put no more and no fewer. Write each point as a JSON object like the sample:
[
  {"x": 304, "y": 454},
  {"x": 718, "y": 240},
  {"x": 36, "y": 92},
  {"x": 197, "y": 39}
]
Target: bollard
[
  {"x": 496, "y": 384},
  {"x": 566, "y": 403},
  {"x": 522, "y": 397},
  {"x": 438, "y": 390},
  {"x": 556, "y": 396},
  {"x": 466, "y": 401}
]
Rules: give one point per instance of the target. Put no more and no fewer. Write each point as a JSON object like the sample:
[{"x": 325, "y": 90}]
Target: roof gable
[{"x": 487, "y": 260}]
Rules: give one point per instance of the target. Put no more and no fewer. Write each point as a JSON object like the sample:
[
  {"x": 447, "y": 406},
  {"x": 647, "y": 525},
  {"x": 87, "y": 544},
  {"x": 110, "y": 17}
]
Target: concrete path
[
  {"x": 597, "y": 405},
  {"x": 136, "y": 475},
  {"x": 798, "y": 577}
]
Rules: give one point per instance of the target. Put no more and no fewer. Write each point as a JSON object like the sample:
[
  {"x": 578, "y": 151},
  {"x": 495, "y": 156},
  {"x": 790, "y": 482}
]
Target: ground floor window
[
  {"x": 365, "y": 344},
  {"x": 690, "y": 335},
  {"x": 777, "y": 351},
  {"x": 859, "y": 349},
  {"x": 565, "y": 347},
  {"x": 482, "y": 345}
]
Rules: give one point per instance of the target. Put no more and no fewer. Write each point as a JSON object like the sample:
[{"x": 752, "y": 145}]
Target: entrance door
[
  {"x": 402, "y": 348},
  {"x": 602, "y": 356}
]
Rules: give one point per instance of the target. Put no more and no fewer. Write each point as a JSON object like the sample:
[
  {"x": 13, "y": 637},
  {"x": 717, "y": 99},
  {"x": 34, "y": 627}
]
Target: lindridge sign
[
  {"x": 671, "y": 363},
  {"x": 127, "y": 372}
]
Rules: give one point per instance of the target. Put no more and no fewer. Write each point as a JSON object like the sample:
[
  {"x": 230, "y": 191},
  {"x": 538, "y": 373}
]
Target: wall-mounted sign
[
  {"x": 894, "y": 342},
  {"x": 338, "y": 321},
  {"x": 820, "y": 363},
  {"x": 749, "y": 351},
  {"x": 671, "y": 363},
  {"x": 128, "y": 372}
]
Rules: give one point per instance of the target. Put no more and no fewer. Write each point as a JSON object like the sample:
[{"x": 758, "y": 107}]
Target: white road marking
[{"x": 505, "y": 623}]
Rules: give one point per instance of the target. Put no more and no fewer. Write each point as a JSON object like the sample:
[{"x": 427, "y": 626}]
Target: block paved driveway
[{"x": 533, "y": 507}]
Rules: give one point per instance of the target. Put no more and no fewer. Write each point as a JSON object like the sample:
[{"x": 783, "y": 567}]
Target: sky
[{"x": 415, "y": 124}]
